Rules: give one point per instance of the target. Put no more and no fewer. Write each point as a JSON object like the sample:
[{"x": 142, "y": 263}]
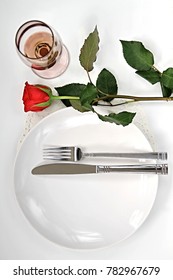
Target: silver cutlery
[
  {"x": 75, "y": 154},
  {"x": 74, "y": 168}
]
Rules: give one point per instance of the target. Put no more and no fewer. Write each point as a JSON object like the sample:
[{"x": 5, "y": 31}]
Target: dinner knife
[{"x": 74, "y": 168}]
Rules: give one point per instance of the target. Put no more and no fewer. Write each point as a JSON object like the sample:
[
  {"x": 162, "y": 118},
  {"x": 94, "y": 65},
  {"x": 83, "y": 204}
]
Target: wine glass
[{"x": 41, "y": 48}]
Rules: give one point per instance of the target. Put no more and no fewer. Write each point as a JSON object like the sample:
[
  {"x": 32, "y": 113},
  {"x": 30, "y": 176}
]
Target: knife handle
[{"x": 143, "y": 168}]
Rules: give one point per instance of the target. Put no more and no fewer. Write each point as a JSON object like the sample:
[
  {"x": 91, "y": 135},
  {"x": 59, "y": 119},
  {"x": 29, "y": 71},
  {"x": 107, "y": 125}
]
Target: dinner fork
[{"x": 73, "y": 153}]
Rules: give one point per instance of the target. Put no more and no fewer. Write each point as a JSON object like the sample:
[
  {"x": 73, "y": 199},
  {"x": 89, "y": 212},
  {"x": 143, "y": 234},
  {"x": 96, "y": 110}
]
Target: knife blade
[
  {"x": 73, "y": 168},
  {"x": 63, "y": 168}
]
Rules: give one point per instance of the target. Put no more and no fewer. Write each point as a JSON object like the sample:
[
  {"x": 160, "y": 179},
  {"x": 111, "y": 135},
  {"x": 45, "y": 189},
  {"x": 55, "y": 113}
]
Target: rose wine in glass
[{"x": 41, "y": 48}]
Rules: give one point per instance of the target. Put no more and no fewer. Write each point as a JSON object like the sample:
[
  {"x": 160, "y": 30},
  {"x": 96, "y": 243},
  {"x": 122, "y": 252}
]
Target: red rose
[{"x": 36, "y": 97}]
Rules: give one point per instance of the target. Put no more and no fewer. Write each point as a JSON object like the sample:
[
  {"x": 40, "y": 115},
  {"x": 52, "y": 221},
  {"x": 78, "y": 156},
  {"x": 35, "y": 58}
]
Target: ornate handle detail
[{"x": 161, "y": 169}]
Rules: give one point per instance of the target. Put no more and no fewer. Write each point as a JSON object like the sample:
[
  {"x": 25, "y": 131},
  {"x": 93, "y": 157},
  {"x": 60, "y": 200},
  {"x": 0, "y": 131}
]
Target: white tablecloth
[{"x": 149, "y": 21}]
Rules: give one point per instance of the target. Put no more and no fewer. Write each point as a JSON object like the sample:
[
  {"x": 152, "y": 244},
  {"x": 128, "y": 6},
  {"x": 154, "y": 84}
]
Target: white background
[{"x": 149, "y": 21}]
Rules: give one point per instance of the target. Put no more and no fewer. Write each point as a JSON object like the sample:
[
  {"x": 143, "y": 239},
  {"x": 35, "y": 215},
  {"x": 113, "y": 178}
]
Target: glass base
[{"x": 57, "y": 69}]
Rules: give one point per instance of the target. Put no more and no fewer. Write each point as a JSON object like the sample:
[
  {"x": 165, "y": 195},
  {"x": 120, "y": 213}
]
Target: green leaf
[
  {"x": 88, "y": 94},
  {"x": 74, "y": 89},
  {"x": 89, "y": 50},
  {"x": 87, "y": 107},
  {"x": 166, "y": 92},
  {"x": 123, "y": 118},
  {"x": 137, "y": 56},
  {"x": 167, "y": 78},
  {"x": 106, "y": 83},
  {"x": 76, "y": 104},
  {"x": 152, "y": 76}
]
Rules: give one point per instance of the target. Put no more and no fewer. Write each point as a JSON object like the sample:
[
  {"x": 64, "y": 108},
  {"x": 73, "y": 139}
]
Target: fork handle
[
  {"x": 151, "y": 155},
  {"x": 150, "y": 168}
]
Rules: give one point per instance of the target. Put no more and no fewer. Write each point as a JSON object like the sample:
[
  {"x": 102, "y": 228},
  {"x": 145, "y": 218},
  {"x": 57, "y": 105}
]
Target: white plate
[{"x": 83, "y": 211}]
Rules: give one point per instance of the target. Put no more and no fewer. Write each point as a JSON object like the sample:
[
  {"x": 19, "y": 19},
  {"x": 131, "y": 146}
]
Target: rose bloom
[{"x": 36, "y": 97}]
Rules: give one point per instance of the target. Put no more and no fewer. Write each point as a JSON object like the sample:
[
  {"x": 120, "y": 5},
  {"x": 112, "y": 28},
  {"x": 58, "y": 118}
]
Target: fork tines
[{"x": 57, "y": 153}]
